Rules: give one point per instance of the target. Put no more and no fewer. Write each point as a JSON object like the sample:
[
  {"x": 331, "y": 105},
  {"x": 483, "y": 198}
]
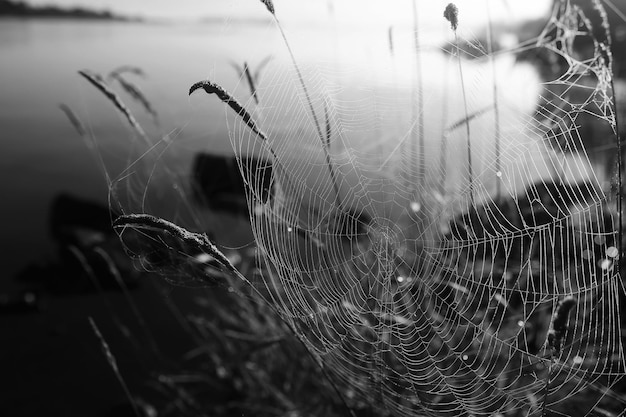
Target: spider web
[
  {"x": 428, "y": 281},
  {"x": 441, "y": 246}
]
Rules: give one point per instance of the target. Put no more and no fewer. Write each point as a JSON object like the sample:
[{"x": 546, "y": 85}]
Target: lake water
[
  {"x": 370, "y": 103},
  {"x": 42, "y": 155}
]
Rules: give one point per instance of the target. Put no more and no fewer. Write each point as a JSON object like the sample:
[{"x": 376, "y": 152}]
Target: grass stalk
[
  {"x": 418, "y": 104},
  {"x": 443, "y": 146},
  {"x": 113, "y": 364},
  {"x": 608, "y": 56},
  {"x": 329, "y": 163},
  {"x": 98, "y": 82},
  {"x": 135, "y": 92},
  {"x": 496, "y": 107},
  {"x": 91, "y": 275},
  {"x": 556, "y": 334},
  {"x": 250, "y": 79},
  {"x": 451, "y": 13},
  {"x": 124, "y": 69},
  {"x": 251, "y": 82},
  {"x": 114, "y": 271},
  {"x": 74, "y": 120},
  {"x": 227, "y": 98}
]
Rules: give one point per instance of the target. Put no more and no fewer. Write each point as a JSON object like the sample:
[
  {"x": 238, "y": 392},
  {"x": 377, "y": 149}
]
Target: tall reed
[
  {"x": 418, "y": 104},
  {"x": 97, "y": 81},
  {"x": 496, "y": 107},
  {"x": 451, "y": 13}
]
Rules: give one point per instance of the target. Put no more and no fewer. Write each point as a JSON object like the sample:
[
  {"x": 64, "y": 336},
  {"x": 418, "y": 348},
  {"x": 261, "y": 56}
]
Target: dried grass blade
[
  {"x": 237, "y": 68},
  {"x": 328, "y": 127},
  {"x": 558, "y": 327},
  {"x": 135, "y": 92},
  {"x": 74, "y": 120},
  {"x": 114, "y": 271},
  {"x": 468, "y": 118},
  {"x": 113, "y": 364},
  {"x": 97, "y": 81},
  {"x": 269, "y": 4},
  {"x": 228, "y": 99},
  {"x": 194, "y": 240},
  {"x": 262, "y": 64},
  {"x": 251, "y": 84},
  {"x": 127, "y": 69}
]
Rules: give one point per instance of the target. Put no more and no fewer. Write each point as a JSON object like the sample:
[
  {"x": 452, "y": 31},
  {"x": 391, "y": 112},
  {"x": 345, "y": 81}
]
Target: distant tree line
[{"x": 21, "y": 9}]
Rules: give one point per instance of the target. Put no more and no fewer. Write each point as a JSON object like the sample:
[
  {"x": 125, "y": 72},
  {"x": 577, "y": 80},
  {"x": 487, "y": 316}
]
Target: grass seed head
[
  {"x": 227, "y": 98},
  {"x": 269, "y": 4},
  {"x": 74, "y": 120},
  {"x": 97, "y": 81},
  {"x": 558, "y": 327},
  {"x": 451, "y": 13}
]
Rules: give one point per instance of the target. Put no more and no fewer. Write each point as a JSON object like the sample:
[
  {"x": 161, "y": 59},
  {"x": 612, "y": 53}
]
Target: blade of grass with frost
[
  {"x": 451, "y": 14},
  {"x": 113, "y": 364},
  {"x": 230, "y": 101},
  {"x": 74, "y": 120},
  {"x": 212, "y": 88},
  {"x": 135, "y": 92},
  {"x": 227, "y": 98},
  {"x": 97, "y": 81},
  {"x": 197, "y": 241}
]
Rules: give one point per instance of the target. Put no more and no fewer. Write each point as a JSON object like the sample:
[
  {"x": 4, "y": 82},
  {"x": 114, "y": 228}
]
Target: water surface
[{"x": 369, "y": 86}]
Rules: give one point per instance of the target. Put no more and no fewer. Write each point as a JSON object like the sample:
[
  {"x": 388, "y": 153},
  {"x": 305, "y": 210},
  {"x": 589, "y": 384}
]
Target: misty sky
[{"x": 354, "y": 9}]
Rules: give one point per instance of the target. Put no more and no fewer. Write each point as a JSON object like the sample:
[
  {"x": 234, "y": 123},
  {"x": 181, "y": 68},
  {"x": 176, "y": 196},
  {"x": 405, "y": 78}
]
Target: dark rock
[{"x": 218, "y": 183}]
